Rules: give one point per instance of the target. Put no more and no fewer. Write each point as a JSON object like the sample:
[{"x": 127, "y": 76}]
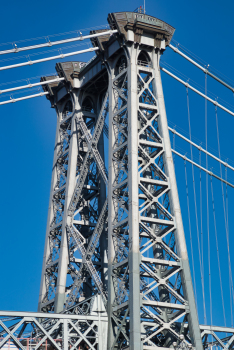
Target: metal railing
[{"x": 144, "y": 64}]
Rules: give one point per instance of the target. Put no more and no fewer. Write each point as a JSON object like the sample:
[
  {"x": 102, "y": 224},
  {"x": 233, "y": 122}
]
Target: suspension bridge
[{"x": 138, "y": 238}]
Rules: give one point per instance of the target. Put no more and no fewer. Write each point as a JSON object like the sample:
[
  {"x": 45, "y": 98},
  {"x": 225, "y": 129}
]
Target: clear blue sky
[{"x": 28, "y": 131}]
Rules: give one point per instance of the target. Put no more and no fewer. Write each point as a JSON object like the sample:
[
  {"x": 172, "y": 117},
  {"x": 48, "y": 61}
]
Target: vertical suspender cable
[
  {"x": 202, "y": 249},
  {"x": 225, "y": 215},
  {"x": 195, "y": 204},
  {"x": 207, "y": 204},
  {"x": 190, "y": 231},
  {"x": 174, "y": 147},
  {"x": 230, "y": 284},
  {"x": 217, "y": 249}
]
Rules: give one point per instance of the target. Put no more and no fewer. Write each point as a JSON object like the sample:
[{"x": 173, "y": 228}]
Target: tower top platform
[
  {"x": 147, "y": 32},
  {"x": 140, "y": 24}
]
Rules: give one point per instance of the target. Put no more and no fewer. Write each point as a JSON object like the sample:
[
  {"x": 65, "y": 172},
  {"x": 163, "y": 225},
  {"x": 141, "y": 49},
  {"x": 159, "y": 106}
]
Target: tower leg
[
  {"x": 44, "y": 278},
  {"x": 176, "y": 211},
  {"x": 150, "y": 288},
  {"x": 133, "y": 216},
  {"x": 70, "y": 185}
]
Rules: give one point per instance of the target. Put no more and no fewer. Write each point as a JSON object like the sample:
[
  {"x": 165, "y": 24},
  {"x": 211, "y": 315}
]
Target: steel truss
[
  {"x": 52, "y": 331},
  {"x": 144, "y": 286},
  {"x": 76, "y": 240},
  {"x": 147, "y": 283},
  {"x": 26, "y": 330}
]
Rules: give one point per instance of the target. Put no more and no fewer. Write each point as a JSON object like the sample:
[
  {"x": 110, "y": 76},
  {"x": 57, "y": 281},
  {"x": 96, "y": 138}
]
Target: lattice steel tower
[{"x": 115, "y": 241}]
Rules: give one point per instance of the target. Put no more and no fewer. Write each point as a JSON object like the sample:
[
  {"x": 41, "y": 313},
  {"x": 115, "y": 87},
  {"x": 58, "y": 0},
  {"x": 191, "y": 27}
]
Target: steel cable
[
  {"x": 208, "y": 94},
  {"x": 43, "y": 52},
  {"x": 225, "y": 217},
  {"x": 202, "y": 248},
  {"x": 230, "y": 285},
  {"x": 174, "y": 148},
  {"x": 207, "y": 204},
  {"x": 195, "y": 204},
  {"x": 204, "y": 69},
  {"x": 54, "y": 35},
  {"x": 201, "y": 61},
  {"x": 217, "y": 248},
  {"x": 12, "y": 94},
  {"x": 197, "y": 140},
  {"x": 190, "y": 230},
  {"x": 48, "y": 58},
  {"x": 28, "y": 79}
]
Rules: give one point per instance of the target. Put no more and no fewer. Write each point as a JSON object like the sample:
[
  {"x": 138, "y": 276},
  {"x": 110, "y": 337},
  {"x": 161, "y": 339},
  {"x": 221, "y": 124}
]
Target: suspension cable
[
  {"x": 205, "y": 70},
  {"x": 225, "y": 215},
  {"x": 59, "y": 42},
  {"x": 32, "y": 85},
  {"x": 174, "y": 147},
  {"x": 55, "y": 35},
  {"x": 207, "y": 203},
  {"x": 196, "y": 85},
  {"x": 190, "y": 230},
  {"x": 57, "y": 49},
  {"x": 201, "y": 61},
  {"x": 200, "y": 148},
  {"x": 198, "y": 141},
  {"x": 24, "y": 98},
  {"x": 202, "y": 258},
  {"x": 28, "y": 79},
  {"x": 217, "y": 249},
  {"x": 12, "y": 95},
  {"x": 197, "y": 91},
  {"x": 195, "y": 204},
  {"x": 29, "y": 63},
  {"x": 230, "y": 284},
  {"x": 202, "y": 168}
]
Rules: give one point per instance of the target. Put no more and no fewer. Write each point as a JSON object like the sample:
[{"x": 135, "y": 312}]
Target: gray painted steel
[{"x": 115, "y": 241}]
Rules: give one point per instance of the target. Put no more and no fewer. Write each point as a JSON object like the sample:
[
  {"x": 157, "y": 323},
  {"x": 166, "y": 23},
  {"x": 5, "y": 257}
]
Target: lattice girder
[
  {"x": 73, "y": 272},
  {"x": 148, "y": 299}
]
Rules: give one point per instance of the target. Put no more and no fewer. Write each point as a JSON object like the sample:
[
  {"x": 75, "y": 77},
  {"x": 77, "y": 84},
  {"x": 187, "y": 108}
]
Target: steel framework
[
  {"x": 150, "y": 288},
  {"x": 115, "y": 241},
  {"x": 28, "y": 330}
]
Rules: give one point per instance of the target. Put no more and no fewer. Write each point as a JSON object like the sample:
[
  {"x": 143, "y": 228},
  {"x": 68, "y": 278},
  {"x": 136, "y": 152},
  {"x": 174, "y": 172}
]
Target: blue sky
[{"x": 28, "y": 132}]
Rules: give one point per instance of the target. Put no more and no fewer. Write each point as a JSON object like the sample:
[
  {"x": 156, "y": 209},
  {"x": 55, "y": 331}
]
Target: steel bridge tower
[{"x": 115, "y": 241}]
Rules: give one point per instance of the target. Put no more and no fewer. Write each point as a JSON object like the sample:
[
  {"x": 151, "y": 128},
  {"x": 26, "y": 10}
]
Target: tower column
[
  {"x": 101, "y": 200},
  {"x": 111, "y": 213},
  {"x": 67, "y": 220},
  {"x": 176, "y": 211},
  {"x": 133, "y": 216},
  {"x": 50, "y": 214},
  {"x": 150, "y": 300}
]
